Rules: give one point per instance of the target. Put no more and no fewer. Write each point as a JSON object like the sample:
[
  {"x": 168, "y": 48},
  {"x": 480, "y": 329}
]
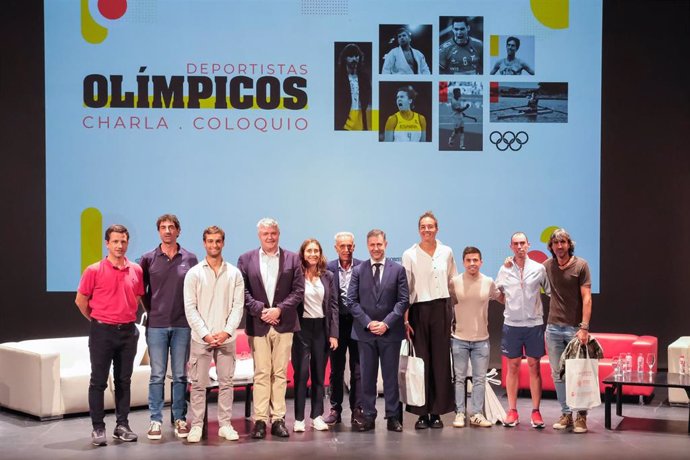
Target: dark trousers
[
  {"x": 117, "y": 346},
  {"x": 431, "y": 322},
  {"x": 309, "y": 351},
  {"x": 338, "y": 360},
  {"x": 369, "y": 354}
]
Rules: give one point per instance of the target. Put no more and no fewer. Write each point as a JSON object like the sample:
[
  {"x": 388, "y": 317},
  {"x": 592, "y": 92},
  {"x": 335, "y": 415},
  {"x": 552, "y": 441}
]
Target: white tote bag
[
  {"x": 411, "y": 376},
  {"x": 582, "y": 382}
]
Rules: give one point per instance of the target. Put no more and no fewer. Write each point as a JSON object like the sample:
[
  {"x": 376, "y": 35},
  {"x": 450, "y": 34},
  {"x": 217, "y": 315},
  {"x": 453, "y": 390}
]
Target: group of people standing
[{"x": 300, "y": 307}]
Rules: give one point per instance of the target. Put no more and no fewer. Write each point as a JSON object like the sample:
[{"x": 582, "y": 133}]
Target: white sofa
[{"x": 48, "y": 378}]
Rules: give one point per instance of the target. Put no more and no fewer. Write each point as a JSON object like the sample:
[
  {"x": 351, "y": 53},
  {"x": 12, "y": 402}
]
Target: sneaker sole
[
  {"x": 510, "y": 425},
  {"x": 154, "y": 437},
  {"x": 538, "y": 426},
  {"x": 458, "y": 425},
  {"x": 122, "y": 438},
  {"x": 99, "y": 444},
  {"x": 193, "y": 440},
  {"x": 579, "y": 431},
  {"x": 181, "y": 435},
  {"x": 479, "y": 425}
]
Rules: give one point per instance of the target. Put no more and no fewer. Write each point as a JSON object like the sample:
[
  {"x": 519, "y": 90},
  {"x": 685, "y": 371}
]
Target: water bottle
[
  {"x": 640, "y": 364},
  {"x": 681, "y": 365},
  {"x": 628, "y": 363}
]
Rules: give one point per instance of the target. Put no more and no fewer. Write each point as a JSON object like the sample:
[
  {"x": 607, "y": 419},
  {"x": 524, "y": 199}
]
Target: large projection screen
[{"x": 224, "y": 112}]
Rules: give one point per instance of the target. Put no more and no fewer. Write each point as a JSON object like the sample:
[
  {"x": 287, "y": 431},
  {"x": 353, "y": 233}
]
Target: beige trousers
[
  {"x": 271, "y": 355},
  {"x": 199, "y": 364}
]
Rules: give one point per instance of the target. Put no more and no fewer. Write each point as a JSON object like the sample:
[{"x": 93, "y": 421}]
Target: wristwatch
[{"x": 584, "y": 326}]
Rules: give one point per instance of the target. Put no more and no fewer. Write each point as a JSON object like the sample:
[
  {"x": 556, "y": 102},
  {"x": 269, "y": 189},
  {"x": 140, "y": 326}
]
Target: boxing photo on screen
[
  {"x": 512, "y": 54},
  {"x": 462, "y": 45},
  {"x": 460, "y": 120},
  {"x": 405, "y": 49},
  {"x": 352, "y": 86},
  {"x": 533, "y": 102},
  {"x": 405, "y": 113}
]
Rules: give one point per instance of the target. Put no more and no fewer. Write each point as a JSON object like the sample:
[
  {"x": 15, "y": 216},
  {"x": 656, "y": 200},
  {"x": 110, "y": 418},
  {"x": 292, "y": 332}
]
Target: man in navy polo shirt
[
  {"x": 109, "y": 294},
  {"x": 167, "y": 330}
]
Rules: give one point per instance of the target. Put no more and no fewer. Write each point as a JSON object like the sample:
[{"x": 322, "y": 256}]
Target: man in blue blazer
[
  {"x": 274, "y": 286},
  {"x": 377, "y": 298},
  {"x": 343, "y": 268}
]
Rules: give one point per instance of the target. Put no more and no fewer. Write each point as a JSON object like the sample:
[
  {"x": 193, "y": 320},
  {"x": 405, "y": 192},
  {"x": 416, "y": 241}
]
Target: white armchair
[{"x": 48, "y": 378}]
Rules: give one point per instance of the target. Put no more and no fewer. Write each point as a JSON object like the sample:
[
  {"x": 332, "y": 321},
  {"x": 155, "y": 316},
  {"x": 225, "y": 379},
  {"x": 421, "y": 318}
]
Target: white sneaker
[
  {"x": 154, "y": 430},
  {"x": 319, "y": 424},
  {"x": 228, "y": 432},
  {"x": 299, "y": 426},
  {"x": 479, "y": 420},
  {"x": 194, "y": 434},
  {"x": 459, "y": 421}
]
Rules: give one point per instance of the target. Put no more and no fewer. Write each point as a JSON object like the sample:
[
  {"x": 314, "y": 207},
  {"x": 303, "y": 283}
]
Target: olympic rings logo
[{"x": 509, "y": 139}]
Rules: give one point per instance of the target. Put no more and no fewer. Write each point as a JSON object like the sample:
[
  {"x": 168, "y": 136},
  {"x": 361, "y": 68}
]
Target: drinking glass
[{"x": 651, "y": 359}]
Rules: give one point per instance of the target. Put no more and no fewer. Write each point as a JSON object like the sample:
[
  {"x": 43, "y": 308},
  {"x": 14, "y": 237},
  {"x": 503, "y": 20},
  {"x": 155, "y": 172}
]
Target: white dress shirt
[
  {"x": 382, "y": 264},
  {"x": 269, "y": 265}
]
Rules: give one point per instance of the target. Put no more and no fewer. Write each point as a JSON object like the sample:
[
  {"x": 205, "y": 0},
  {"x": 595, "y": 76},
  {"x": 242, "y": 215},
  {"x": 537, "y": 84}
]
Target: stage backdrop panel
[{"x": 223, "y": 114}]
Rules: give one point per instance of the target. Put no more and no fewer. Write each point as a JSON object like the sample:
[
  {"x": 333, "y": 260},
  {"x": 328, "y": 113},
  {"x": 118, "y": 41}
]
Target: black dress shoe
[
  {"x": 394, "y": 425},
  {"x": 422, "y": 423},
  {"x": 279, "y": 429},
  {"x": 435, "y": 422},
  {"x": 259, "y": 430},
  {"x": 357, "y": 417},
  {"x": 333, "y": 417},
  {"x": 367, "y": 425}
]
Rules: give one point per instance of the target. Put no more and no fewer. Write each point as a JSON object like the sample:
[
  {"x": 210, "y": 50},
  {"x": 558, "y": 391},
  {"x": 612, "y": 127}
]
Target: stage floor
[{"x": 652, "y": 431}]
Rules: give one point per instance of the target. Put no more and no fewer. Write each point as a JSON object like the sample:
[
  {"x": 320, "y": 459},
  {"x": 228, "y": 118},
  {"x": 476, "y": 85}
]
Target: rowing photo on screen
[
  {"x": 405, "y": 49},
  {"x": 405, "y": 113},
  {"x": 462, "y": 45},
  {"x": 533, "y": 102},
  {"x": 460, "y": 120},
  {"x": 512, "y": 54},
  {"x": 352, "y": 85}
]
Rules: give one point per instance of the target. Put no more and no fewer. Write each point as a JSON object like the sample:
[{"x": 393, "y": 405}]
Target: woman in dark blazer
[{"x": 318, "y": 317}]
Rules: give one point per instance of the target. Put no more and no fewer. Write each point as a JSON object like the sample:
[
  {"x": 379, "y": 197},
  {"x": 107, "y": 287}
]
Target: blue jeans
[
  {"x": 478, "y": 353},
  {"x": 557, "y": 337},
  {"x": 160, "y": 340}
]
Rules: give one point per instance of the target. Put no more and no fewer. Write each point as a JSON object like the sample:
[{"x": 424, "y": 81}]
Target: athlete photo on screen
[
  {"x": 511, "y": 64},
  {"x": 405, "y": 49},
  {"x": 352, "y": 84},
  {"x": 410, "y": 122},
  {"x": 462, "y": 48}
]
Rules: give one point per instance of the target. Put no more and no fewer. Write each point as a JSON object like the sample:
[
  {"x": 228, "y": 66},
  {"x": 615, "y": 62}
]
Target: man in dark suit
[
  {"x": 274, "y": 286},
  {"x": 342, "y": 268},
  {"x": 377, "y": 298}
]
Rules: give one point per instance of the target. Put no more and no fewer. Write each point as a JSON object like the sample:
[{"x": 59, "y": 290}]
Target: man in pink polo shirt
[{"x": 109, "y": 294}]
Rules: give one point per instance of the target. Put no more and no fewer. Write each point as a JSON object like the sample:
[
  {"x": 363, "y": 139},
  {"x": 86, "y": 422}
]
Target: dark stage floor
[{"x": 654, "y": 431}]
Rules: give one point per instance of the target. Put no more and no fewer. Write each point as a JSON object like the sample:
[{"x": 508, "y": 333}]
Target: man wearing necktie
[{"x": 377, "y": 298}]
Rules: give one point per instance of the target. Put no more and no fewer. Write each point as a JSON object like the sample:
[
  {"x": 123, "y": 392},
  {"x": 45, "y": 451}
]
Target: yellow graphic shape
[
  {"x": 91, "y": 237},
  {"x": 551, "y": 13},
  {"x": 91, "y": 31},
  {"x": 374, "y": 126},
  {"x": 546, "y": 234},
  {"x": 493, "y": 46}
]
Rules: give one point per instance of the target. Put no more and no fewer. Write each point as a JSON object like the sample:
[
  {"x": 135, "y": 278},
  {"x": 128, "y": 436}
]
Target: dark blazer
[
  {"x": 342, "y": 299},
  {"x": 388, "y": 305},
  {"x": 329, "y": 305},
  {"x": 289, "y": 292}
]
